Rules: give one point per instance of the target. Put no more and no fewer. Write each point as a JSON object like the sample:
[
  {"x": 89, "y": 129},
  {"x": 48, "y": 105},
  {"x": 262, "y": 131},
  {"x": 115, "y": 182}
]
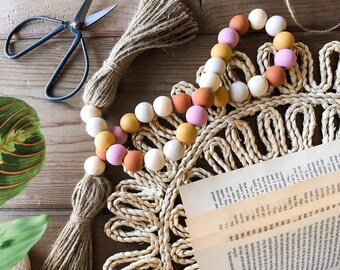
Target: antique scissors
[{"x": 75, "y": 26}]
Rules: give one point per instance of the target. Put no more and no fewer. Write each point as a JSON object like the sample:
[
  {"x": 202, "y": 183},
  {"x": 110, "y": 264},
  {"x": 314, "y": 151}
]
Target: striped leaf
[
  {"x": 18, "y": 236},
  {"x": 22, "y": 146}
]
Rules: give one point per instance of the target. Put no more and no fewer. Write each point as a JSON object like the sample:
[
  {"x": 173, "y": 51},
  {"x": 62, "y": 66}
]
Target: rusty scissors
[{"x": 75, "y": 26}]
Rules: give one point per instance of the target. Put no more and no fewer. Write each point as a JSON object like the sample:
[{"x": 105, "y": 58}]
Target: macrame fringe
[
  {"x": 73, "y": 248},
  {"x": 157, "y": 24}
]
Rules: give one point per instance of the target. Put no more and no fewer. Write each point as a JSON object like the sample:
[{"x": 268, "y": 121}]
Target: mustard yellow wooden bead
[
  {"x": 221, "y": 50},
  {"x": 129, "y": 123},
  {"x": 186, "y": 133},
  {"x": 283, "y": 40},
  {"x": 222, "y": 97},
  {"x": 104, "y": 140}
]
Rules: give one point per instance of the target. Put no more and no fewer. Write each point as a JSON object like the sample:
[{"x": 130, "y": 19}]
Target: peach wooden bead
[
  {"x": 104, "y": 140},
  {"x": 134, "y": 161},
  {"x": 203, "y": 97},
  {"x": 129, "y": 123},
  {"x": 186, "y": 133},
  {"x": 181, "y": 102},
  {"x": 275, "y": 75},
  {"x": 240, "y": 23},
  {"x": 101, "y": 154},
  {"x": 222, "y": 97},
  {"x": 283, "y": 40},
  {"x": 221, "y": 50}
]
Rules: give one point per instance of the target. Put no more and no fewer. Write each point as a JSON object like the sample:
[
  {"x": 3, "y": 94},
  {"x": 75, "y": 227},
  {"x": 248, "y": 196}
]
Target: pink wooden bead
[
  {"x": 285, "y": 58},
  {"x": 115, "y": 154},
  {"x": 197, "y": 116},
  {"x": 228, "y": 36},
  {"x": 120, "y": 135}
]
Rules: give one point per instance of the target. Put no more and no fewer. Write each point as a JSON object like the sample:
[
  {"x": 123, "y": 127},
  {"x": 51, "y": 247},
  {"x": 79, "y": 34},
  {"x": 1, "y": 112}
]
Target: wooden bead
[
  {"x": 186, "y": 133},
  {"x": 173, "y": 150},
  {"x": 239, "y": 92},
  {"x": 115, "y": 154},
  {"x": 210, "y": 80},
  {"x": 258, "y": 86},
  {"x": 197, "y": 116},
  {"x": 94, "y": 166},
  {"x": 104, "y": 140},
  {"x": 101, "y": 154},
  {"x": 215, "y": 65},
  {"x": 275, "y": 75},
  {"x": 222, "y": 97},
  {"x": 134, "y": 161},
  {"x": 221, "y": 50},
  {"x": 120, "y": 135},
  {"x": 89, "y": 111},
  {"x": 144, "y": 112},
  {"x": 129, "y": 123},
  {"x": 285, "y": 58},
  {"x": 181, "y": 102},
  {"x": 154, "y": 160},
  {"x": 203, "y": 97},
  {"x": 257, "y": 19},
  {"x": 228, "y": 36},
  {"x": 240, "y": 23},
  {"x": 163, "y": 106},
  {"x": 275, "y": 25},
  {"x": 95, "y": 125},
  {"x": 283, "y": 40}
]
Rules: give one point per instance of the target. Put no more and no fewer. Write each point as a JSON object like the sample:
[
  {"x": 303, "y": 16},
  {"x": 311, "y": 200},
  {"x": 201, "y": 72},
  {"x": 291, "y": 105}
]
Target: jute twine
[{"x": 157, "y": 24}]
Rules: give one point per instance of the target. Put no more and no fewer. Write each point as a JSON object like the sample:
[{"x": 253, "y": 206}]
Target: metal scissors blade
[
  {"x": 97, "y": 16},
  {"x": 81, "y": 15}
]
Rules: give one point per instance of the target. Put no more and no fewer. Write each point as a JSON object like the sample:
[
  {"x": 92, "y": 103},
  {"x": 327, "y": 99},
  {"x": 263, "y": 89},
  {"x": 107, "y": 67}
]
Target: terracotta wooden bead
[
  {"x": 104, "y": 140},
  {"x": 186, "y": 133},
  {"x": 134, "y": 161},
  {"x": 221, "y": 50},
  {"x": 240, "y": 23},
  {"x": 129, "y": 123},
  {"x": 203, "y": 97},
  {"x": 222, "y": 97},
  {"x": 181, "y": 102},
  {"x": 275, "y": 75}
]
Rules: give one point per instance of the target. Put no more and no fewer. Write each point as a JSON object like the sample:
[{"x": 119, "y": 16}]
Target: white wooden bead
[
  {"x": 258, "y": 86},
  {"x": 163, "y": 106},
  {"x": 94, "y": 166},
  {"x": 257, "y": 19},
  {"x": 144, "y": 112},
  {"x": 275, "y": 25},
  {"x": 173, "y": 150},
  {"x": 215, "y": 65},
  {"x": 89, "y": 111},
  {"x": 210, "y": 80},
  {"x": 154, "y": 160},
  {"x": 239, "y": 91},
  {"x": 95, "y": 125}
]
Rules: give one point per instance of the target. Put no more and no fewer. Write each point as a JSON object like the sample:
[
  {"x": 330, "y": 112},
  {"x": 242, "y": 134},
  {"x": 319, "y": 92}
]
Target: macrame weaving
[{"x": 147, "y": 208}]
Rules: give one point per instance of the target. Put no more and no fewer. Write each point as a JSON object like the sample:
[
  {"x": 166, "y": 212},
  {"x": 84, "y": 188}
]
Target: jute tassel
[
  {"x": 73, "y": 248},
  {"x": 157, "y": 24}
]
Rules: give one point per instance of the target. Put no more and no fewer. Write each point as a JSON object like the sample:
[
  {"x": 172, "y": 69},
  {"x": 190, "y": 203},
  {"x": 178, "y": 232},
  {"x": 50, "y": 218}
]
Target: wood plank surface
[
  {"x": 211, "y": 15},
  {"x": 152, "y": 74}
]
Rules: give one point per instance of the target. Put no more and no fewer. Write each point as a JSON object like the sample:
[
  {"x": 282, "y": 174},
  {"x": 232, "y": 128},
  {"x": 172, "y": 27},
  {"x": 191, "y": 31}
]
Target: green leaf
[
  {"x": 22, "y": 146},
  {"x": 18, "y": 236}
]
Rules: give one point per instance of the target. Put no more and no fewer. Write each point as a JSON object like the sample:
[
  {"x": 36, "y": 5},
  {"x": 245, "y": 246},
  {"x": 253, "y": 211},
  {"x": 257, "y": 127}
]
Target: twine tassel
[
  {"x": 73, "y": 248},
  {"x": 157, "y": 24}
]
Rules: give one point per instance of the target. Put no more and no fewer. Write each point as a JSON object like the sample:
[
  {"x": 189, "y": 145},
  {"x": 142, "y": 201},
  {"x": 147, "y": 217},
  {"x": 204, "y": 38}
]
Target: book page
[
  {"x": 311, "y": 243},
  {"x": 221, "y": 190},
  {"x": 266, "y": 205}
]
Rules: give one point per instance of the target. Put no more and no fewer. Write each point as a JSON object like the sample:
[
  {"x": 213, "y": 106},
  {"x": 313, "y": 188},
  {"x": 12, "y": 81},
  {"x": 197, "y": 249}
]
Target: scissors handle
[
  {"x": 49, "y": 86},
  {"x": 36, "y": 44}
]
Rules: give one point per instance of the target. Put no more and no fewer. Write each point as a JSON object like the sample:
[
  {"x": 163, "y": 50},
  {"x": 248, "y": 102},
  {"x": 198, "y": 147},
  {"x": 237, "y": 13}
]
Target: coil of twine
[{"x": 157, "y": 24}]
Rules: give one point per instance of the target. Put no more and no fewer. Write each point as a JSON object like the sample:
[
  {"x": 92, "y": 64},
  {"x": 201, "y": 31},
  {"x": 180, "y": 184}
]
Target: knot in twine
[
  {"x": 75, "y": 239},
  {"x": 157, "y": 24}
]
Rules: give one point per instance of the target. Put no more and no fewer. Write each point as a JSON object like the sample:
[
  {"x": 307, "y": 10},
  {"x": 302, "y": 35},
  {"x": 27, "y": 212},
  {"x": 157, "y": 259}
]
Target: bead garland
[{"x": 109, "y": 143}]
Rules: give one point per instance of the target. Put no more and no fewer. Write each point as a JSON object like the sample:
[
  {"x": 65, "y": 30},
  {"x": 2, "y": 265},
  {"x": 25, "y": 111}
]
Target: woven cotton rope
[{"x": 146, "y": 208}]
